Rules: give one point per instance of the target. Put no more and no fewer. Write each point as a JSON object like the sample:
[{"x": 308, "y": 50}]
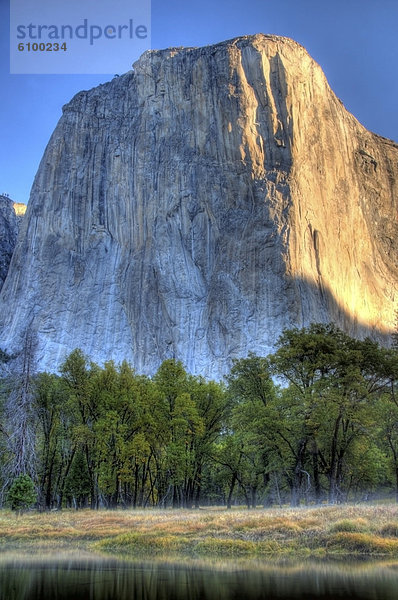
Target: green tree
[
  {"x": 386, "y": 411},
  {"x": 78, "y": 374},
  {"x": 228, "y": 456},
  {"x": 212, "y": 405},
  {"x": 189, "y": 415},
  {"x": 252, "y": 396},
  {"x": 22, "y": 494},
  {"x": 181, "y": 421},
  {"x": 332, "y": 382},
  {"x": 121, "y": 446},
  {"x": 50, "y": 404}
]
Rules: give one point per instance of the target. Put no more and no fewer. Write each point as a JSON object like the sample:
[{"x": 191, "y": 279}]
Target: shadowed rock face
[
  {"x": 10, "y": 219},
  {"x": 196, "y": 206}
]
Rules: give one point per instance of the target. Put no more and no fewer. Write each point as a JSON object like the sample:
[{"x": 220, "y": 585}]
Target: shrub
[
  {"x": 390, "y": 529},
  {"x": 350, "y": 525}
]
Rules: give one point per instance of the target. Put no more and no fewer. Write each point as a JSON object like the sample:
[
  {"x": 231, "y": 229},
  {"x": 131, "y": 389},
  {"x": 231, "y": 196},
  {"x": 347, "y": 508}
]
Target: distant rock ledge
[
  {"x": 11, "y": 214},
  {"x": 19, "y": 208}
]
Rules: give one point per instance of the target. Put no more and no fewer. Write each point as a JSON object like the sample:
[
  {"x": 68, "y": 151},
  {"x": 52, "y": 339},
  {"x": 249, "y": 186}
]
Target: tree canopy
[{"x": 316, "y": 421}]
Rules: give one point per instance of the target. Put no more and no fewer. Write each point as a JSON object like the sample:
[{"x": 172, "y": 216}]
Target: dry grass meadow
[{"x": 328, "y": 531}]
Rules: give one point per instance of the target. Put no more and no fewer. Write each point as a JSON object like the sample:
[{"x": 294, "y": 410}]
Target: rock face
[
  {"x": 11, "y": 214},
  {"x": 196, "y": 206}
]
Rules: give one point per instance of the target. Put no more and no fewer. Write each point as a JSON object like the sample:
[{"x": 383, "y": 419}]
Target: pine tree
[{"x": 22, "y": 493}]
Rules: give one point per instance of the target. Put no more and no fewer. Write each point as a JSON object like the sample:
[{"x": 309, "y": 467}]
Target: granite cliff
[
  {"x": 199, "y": 204},
  {"x": 11, "y": 214}
]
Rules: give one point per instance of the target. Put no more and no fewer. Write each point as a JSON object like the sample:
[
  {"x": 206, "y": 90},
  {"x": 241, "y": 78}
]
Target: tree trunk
[
  {"x": 297, "y": 474},
  {"x": 396, "y": 482},
  {"x": 333, "y": 463},
  {"x": 63, "y": 483},
  {"x": 315, "y": 468},
  {"x": 253, "y": 496},
  {"x": 231, "y": 489},
  {"x": 198, "y": 486},
  {"x": 135, "y": 495},
  {"x": 176, "y": 497}
]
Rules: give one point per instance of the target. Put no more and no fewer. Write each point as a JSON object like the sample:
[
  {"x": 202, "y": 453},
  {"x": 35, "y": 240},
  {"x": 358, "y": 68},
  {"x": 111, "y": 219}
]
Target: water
[{"x": 95, "y": 578}]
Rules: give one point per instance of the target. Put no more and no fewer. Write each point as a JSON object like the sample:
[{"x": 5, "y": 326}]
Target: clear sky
[{"x": 355, "y": 42}]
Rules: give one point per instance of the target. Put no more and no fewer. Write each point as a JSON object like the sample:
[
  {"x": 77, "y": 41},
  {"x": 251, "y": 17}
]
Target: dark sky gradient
[{"x": 354, "y": 41}]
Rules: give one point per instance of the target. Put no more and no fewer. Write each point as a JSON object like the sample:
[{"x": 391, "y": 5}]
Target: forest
[{"x": 314, "y": 422}]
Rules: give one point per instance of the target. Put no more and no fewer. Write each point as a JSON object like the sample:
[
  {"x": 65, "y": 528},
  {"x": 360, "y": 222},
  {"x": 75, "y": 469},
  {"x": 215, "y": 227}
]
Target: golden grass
[
  {"x": 363, "y": 543},
  {"x": 326, "y": 530}
]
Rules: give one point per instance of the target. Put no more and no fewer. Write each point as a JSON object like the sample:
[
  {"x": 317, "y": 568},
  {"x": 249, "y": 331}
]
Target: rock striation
[
  {"x": 199, "y": 204},
  {"x": 11, "y": 214}
]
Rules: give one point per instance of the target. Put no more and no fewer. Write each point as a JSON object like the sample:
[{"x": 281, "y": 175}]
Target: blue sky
[{"x": 355, "y": 42}]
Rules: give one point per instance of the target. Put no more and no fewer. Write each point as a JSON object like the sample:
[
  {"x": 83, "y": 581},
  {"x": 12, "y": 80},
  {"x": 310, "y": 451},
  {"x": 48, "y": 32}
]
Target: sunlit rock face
[
  {"x": 11, "y": 214},
  {"x": 198, "y": 205}
]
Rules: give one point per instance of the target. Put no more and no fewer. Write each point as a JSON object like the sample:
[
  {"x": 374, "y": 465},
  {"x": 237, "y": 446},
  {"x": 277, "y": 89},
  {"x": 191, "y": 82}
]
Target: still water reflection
[{"x": 88, "y": 578}]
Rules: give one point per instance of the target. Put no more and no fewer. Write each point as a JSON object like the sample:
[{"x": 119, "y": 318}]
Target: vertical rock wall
[{"x": 199, "y": 204}]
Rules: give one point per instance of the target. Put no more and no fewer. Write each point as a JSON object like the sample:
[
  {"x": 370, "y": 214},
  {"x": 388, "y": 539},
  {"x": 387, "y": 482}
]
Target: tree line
[{"x": 315, "y": 421}]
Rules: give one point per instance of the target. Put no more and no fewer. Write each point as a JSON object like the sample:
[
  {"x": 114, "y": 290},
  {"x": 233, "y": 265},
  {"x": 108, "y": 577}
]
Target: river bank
[{"x": 320, "y": 532}]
